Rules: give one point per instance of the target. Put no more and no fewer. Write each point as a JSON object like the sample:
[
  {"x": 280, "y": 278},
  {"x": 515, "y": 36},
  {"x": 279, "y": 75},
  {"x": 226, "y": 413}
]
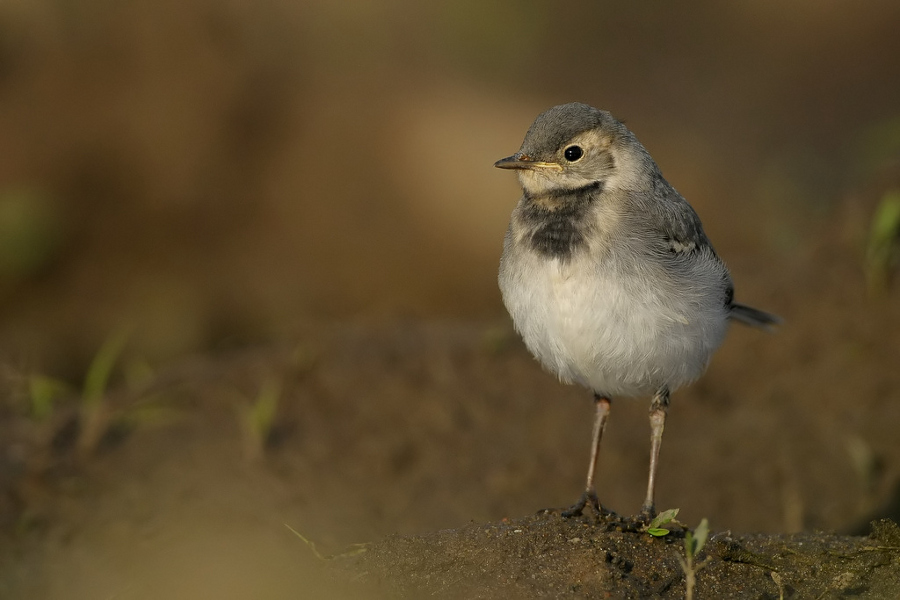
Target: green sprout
[
  {"x": 93, "y": 411},
  {"x": 883, "y": 249},
  {"x": 258, "y": 419},
  {"x": 656, "y": 528},
  {"x": 694, "y": 541}
]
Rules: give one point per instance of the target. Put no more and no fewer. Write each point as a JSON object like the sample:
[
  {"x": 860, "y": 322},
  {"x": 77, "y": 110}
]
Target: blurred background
[
  {"x": 211, "y": 173},
  {"x": 195, "y": 179}
]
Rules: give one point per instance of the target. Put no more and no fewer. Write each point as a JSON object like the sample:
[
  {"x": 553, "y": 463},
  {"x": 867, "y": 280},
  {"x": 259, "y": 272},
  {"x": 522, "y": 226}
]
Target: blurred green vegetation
[
  {"x": 257, "y": 418},
  {"x": 883, "y": 252},
  {"x": 30, "y": 234}
]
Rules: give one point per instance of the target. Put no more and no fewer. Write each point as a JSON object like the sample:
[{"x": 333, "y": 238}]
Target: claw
[
  {"x": 647, "y": 514},
  {"x": 588, "y": 500}
]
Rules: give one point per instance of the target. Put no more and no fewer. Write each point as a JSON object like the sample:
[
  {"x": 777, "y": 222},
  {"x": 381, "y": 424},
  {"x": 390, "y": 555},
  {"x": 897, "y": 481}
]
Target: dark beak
[{"x": 523, "y": 161}]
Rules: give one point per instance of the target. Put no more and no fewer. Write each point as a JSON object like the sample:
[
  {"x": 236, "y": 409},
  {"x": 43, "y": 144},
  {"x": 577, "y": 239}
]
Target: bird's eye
[{"x": 573, "y": 153}]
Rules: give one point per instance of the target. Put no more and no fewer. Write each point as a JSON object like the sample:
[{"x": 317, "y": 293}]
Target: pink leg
[
  {"x": 658, "y": 408},
  {"x": 602, "y": 405}
]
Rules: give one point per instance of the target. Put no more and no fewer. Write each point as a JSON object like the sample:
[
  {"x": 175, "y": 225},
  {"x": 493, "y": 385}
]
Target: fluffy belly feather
[{"x": 612, "y": 334}]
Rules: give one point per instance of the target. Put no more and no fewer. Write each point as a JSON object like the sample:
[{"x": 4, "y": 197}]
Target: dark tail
[{"x": 753, "y": 317}]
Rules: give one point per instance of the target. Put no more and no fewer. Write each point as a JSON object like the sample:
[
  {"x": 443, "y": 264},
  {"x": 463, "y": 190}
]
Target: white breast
[{"x": 619, "y": 332}]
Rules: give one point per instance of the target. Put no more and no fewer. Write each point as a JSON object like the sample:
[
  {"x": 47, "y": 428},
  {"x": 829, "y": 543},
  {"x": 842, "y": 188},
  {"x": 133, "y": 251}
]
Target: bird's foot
[
  {"x": 588, "y": 500},
  {"x": 647, "y": 514}
]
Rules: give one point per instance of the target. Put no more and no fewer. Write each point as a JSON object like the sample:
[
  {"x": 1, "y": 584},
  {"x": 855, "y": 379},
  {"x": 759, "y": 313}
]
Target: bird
[{"x": 608, "y": 275}]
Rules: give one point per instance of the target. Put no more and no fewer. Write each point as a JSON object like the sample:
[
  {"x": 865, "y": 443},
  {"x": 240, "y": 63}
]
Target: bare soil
[
  {"x": 550, "y": 557},
  {"x": 384, "y": 433}
]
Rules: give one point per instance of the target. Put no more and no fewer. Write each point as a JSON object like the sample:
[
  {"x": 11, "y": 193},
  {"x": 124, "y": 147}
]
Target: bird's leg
[
  {"x": 658, "y": 408},
  {"x": 602, "y": 405}
]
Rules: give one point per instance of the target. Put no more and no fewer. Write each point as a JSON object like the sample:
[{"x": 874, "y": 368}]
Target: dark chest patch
[{"x": 557, "y": 221}]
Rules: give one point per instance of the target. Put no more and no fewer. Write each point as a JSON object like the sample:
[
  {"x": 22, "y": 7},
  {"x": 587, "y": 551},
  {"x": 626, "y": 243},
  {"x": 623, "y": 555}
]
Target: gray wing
[
  {"x": 669, "y": 224},
  {"x": 677, "y": 231}
]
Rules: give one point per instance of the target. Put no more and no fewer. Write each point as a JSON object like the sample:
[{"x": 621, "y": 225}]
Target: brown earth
[
  {"x": 552, "y": 557},
  {"x": 410, "y": 427}
]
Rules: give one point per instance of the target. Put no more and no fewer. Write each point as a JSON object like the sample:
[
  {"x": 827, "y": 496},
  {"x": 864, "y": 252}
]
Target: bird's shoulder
[{"x": 667, "y": 223}]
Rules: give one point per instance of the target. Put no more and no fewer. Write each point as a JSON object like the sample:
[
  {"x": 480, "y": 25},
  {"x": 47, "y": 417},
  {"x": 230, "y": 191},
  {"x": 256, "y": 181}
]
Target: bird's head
[{"x": 574, "y": 145}]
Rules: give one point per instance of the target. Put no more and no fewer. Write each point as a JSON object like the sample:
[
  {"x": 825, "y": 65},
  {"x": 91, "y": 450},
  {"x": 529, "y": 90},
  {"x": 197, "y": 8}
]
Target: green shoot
[
  {"x": 98, "y": 373},
  {"x": 694, "y": 541},
  {"x": 656, "y": 528},
  {"x": 93, "y": 413},
  {"x": 259, "y": 418},
  {"x": 884, "y": 241}
]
